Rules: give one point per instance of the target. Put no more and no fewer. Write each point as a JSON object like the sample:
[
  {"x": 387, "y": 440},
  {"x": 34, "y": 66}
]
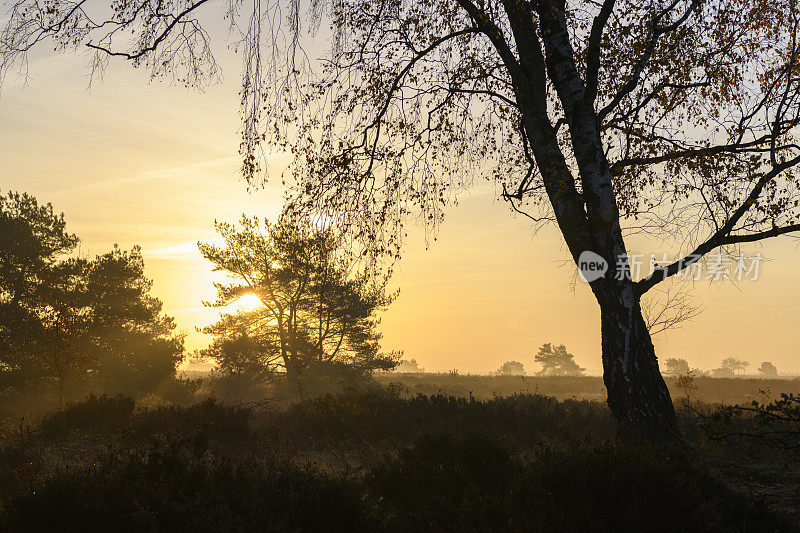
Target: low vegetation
[
  {"x": 697, "y": 387},
  {"x": 358, "y": 458}
]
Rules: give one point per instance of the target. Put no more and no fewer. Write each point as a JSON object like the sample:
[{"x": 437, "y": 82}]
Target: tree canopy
[
  {"x": 135, "y": 344},
  {"x": 242, "y": 356},
  {"x": 511, "y": 368},
  {"x": 33, "y": 239},
  {"x": 734, "y": 365},
  {"x": 676, "y": 366},
  {"x": 767, "y": 369},
  {"x": 315, "y": 311},
  {"x": 556, "y": 361},
  {"x": 73, "y": 321}
]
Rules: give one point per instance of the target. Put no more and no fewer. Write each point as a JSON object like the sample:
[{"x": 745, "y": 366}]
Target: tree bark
[
  {"x": 637, "y": 394},
  {"x": 294, "y": 375}
]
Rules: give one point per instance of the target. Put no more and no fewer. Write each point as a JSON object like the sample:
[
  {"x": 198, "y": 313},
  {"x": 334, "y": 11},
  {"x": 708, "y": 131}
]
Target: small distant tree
[
  {"x": 686, "y": 384},
  {"x": 676, "y": 366},
  {"x": 734, "y": 365},
  {"x": 409, "y": 366},
  {"x": 556, "y": 361},
  {"x": 511, "y": 368},
  {"x": 722, "y": 372},
  {"x": 767, "y": 369}
]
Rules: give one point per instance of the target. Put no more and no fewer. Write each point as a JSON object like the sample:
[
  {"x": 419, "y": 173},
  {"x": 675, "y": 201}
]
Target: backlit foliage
[
  {"x": 316, "y": 310},
  {"x": 696, "y": 100}
]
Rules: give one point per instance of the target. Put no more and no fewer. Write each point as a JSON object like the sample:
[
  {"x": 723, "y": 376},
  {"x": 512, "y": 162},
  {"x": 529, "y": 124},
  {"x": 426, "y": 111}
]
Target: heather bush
[
  {"x": 372, "y": 460},
  {"x": 96, "y": 413}
]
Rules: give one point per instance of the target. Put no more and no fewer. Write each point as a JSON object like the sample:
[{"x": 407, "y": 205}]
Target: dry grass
[
  {"x": 493, "y": 453},
  {"x": 708, "y": 389}
]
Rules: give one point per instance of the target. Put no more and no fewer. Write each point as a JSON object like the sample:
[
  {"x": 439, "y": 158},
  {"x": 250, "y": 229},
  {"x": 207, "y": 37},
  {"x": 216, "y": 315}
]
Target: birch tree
[{"x": 604, "y": 117}]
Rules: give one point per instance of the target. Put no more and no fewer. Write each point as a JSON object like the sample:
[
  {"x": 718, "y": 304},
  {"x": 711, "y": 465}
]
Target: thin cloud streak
[{"x": 768, "y": 315}]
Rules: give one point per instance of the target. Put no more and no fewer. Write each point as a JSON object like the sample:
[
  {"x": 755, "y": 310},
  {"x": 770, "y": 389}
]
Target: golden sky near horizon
[{"x": 133, "y": 162}]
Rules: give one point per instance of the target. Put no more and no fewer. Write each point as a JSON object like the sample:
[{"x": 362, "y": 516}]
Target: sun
[{"x": 248, "y": 302}]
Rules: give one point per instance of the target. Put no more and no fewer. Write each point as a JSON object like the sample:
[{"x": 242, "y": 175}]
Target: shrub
[
  {"x": 474, "y": 484},
  {"x": 378, "y": 415},
  {"x": 211, "y": 418},
  {"x": 179, "y": 390},
  {"x": 97, "y": 413},
  {"x": 623, "y": 488},
  {"x": 775, "y": 424},
  {"x": 527, "y": 462},
  {"x": 461, "y": 479},
  {"x": 174, "y": 488}
]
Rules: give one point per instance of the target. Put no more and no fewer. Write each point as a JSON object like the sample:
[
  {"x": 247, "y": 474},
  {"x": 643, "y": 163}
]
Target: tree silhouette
[
  {"x": 604, "y": 117},
  {"x": 768, "y": 370},
  {"x": 242, "y": 356},
  {"x": 72, "y": 321},
  {"x": 556, "y": 361},
  {"x": 511, "y": 368},
  {"x": 734, "y": 365},
  {"x": 133, "y": 342},
  {"x": 33, "y": 239},
  {"x": 676, "y": 366},
  {"x": 40, "y": 309},
  {"x": 315, "y": 313}
]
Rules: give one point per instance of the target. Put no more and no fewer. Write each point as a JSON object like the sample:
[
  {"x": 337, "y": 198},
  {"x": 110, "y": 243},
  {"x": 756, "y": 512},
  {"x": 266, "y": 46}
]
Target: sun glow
[{"x": 248, "y": 302}]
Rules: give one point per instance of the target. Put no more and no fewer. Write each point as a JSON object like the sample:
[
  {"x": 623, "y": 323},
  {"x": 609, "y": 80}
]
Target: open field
[
  {"x": 741, "y": 390},
  {"x": 708, "y": 389},
  {"x": 509, "y": 458}
]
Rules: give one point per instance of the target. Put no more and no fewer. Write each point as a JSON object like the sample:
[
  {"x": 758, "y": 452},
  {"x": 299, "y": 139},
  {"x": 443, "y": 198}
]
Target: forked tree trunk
[{"x": 637, "y": 394}]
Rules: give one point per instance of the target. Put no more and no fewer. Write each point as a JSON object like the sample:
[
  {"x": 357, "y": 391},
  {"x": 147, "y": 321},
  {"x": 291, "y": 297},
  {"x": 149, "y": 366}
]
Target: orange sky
[{"x": 149, "y": 164}]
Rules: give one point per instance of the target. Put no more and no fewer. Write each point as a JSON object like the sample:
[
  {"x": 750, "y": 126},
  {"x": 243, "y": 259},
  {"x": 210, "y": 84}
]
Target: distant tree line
[
  {"x": 69, "y": 323},
  {"x": 555, "y": 361},
  {"x": 730, "y": 367}
]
